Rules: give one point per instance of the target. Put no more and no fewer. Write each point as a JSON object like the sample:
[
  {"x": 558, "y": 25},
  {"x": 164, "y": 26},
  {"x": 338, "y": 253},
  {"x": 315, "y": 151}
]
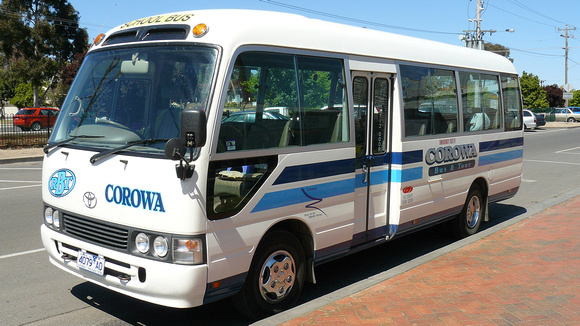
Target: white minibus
[{"x": 226, "y": 153}]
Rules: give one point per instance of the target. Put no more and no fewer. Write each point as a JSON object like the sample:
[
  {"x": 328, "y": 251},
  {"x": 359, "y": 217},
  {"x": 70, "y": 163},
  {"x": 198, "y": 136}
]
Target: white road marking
[
  {"x": 552, "y": 162},
  {"x": 567, "y": 150},
  {"x": 21, "y": 187},
  {"x": 22, "y": 253}
]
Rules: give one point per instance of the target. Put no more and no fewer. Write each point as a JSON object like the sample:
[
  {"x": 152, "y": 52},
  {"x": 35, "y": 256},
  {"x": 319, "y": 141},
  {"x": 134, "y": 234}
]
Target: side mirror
[
  {"x": 193, "y": 128},
  {"x": 193, "y": 135}
]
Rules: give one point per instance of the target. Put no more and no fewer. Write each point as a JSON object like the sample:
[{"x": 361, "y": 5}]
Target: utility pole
[
  {"x": 566, "y": 36},
  {"x": 474, "y": 38}
]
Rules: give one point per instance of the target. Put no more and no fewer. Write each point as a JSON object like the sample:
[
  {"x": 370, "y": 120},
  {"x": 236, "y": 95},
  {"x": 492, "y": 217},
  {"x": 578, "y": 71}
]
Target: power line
[
  {"x": 521, "y": 5},
  {"x": 526, "y": 18},
  {"x": 354, "y": 20}
]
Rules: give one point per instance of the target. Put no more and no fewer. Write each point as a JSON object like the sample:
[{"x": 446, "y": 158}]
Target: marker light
[
  {"x": 98, "y": 39},
  {"x": 200, "y": 30}
]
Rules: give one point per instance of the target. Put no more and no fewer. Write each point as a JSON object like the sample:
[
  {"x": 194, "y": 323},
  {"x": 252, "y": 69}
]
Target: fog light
[
  {"x": 142, "y": 243},
  {"x": 48, "y": 215},
  {"x": 161, "y": 246}
]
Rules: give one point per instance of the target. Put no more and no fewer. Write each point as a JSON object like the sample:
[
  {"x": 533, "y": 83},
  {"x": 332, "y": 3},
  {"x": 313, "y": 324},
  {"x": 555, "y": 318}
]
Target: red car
[{"x": 35, "y": 118}]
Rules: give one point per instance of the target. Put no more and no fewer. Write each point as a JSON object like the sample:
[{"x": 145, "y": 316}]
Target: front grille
[{"x": 97, "y": 232}]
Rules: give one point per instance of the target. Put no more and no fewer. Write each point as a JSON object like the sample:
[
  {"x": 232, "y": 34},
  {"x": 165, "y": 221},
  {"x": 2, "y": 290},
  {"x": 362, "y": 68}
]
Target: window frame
[{"x": 348, "y": 126}]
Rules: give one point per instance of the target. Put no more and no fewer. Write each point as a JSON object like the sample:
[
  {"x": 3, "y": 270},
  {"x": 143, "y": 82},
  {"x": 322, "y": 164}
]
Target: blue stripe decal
[
  {"x": 500, "y": 144},
  {"x": 500, "y": 157},
  {"x": 408, "y": 157},
  {"x": 308, "y": 194},
  {"x": 407, "y": 175},
  {"x": 314, "y": 171}
]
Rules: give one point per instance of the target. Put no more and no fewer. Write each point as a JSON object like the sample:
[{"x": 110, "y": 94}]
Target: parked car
[
  {"x": 540, "y": 120},
  {"x": 250, "y": 116},
  {"x": 35, "y": 118},
  {"x": 529, "y": 119},
  {"x": 570, "y": 114}
]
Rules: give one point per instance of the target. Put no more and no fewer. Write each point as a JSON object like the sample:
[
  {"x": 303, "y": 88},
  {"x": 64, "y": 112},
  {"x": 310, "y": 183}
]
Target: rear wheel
[
  {"x": 36, "y": 126},
  {"x": 469, "y": 220},
  {"x": 275, "y": 279}
]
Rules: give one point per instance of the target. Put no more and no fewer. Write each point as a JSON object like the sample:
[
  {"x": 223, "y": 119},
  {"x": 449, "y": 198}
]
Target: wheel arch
[{"x": 301, "y": 231}]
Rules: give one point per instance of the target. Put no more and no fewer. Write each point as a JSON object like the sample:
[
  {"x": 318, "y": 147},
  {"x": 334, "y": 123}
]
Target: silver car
[{"x": 571, "y": 114}]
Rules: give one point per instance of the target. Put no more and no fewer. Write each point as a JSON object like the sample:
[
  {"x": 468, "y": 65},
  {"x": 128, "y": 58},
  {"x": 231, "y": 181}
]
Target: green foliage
[
  {"x": 39, "y": 37},
  {"x": 533, "y": 95},
  {"x": 23, "y": 96},
  {"x": 576, "y": 100},
  {"x": 497, "y": 48}
]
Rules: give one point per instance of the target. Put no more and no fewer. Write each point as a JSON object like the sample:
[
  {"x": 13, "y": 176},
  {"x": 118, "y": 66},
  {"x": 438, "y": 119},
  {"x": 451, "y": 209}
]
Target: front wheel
[
  {"x": 275, "y": 279},
  {"x": 571, "y": 119},
  {"x": 469, "y": 220},
  {"x": 36, "y": 126}
]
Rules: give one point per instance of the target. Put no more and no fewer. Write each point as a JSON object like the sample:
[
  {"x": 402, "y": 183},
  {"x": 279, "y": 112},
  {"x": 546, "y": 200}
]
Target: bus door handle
[
  {"x": 435, "y": 178},
  {"x": 365, "y": 170}
]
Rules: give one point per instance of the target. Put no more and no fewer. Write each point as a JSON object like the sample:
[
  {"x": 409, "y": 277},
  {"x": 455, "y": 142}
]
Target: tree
[
  {"x": 554, "y": 95},
  {"x": 39, "y": 36},
  {"x": 23, "y": 96},
  {"x": 497, "y": 48},
  {"x": 533, "y": 95},
  {"x": 576, "y": 100}
]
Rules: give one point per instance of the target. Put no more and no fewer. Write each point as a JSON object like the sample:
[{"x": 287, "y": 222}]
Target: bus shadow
[
  {"x": 346, "y": 271},
  {"x": 331, "y": 277}
]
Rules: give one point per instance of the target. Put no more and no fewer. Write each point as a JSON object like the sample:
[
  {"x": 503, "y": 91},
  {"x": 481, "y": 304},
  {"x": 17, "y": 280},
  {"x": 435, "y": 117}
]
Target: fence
[{"x": 25, "y": 133}]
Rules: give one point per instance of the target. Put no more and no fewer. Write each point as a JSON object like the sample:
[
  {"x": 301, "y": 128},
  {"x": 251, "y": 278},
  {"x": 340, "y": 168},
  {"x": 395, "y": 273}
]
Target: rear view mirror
[
  {"x": 193, "y": 128},
  {"x": 174, "y": 150},
  {"x": 193, "y": 135},
  {"x": 135, "y": 67}
]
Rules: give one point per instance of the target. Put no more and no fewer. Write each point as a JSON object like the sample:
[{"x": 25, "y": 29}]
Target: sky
[{"x": 536, "y": 44}]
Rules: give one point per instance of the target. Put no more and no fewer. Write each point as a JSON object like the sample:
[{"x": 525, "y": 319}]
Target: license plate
[{"x": 91, "y": 263}]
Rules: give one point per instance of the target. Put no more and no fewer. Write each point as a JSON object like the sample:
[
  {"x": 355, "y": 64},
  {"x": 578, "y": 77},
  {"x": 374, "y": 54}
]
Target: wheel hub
[{"x": 278, "y": 274}]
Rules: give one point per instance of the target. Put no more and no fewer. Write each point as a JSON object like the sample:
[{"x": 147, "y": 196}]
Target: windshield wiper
[
  {"x": 64, "y": 141},
  {"x": 109, "y": 152}
]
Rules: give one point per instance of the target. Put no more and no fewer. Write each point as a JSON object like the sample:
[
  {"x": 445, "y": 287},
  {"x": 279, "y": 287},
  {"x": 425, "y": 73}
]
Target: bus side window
[
  {"x": 232, "y": 183},
  {"x": 511, "y": 103},
  {"x": 293, "y": 101},
  {"x": 430, "y": 101},
  {"x": 481, "y": 104}
]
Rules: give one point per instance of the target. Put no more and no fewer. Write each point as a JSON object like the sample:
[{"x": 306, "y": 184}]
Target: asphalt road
[{"x": 32, "y": 291}]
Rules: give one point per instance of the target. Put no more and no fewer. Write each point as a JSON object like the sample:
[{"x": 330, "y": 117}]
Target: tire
[
  {"x": 571, "y": 119},
  {"x": 469, "y": 220},
  {"x": 275, "y": 279},
  {"x": 36, "y": 126}
]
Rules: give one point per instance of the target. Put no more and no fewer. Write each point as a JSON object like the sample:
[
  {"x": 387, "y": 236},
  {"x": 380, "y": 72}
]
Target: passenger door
[{"x": 372, "y": 96}]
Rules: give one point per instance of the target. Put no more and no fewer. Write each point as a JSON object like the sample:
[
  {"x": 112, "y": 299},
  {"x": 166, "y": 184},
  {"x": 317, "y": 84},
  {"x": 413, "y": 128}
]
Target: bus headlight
[
  {"x": 142, "y": 243},
  {"x": 187, "y": 251},
  {"x": 56, "y": 219},
  {"x": 48, "y": 215},
  {"x": 161, "y": 246}
]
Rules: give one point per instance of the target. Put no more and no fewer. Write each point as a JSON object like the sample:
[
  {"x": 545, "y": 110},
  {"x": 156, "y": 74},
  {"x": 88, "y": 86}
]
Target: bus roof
[{"x": 231, "y": 29}]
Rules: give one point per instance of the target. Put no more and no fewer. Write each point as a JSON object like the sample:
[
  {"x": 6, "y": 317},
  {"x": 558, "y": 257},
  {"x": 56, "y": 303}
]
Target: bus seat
[{"x": 422, "y": 129}]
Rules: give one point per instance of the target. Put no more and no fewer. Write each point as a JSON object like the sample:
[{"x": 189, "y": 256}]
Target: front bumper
[{"x": 179, "y": 286}]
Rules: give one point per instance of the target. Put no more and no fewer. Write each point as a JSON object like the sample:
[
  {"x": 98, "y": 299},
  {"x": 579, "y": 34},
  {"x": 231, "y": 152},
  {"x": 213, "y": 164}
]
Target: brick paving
[{"x": 525, "y": 274}]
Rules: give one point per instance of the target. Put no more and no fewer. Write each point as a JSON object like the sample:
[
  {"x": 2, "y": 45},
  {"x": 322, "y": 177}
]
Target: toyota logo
[{"x": 90, "y": 199}]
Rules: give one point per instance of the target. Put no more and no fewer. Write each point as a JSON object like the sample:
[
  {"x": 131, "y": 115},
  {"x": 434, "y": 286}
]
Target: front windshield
[{"x": 127, "y": 95}]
